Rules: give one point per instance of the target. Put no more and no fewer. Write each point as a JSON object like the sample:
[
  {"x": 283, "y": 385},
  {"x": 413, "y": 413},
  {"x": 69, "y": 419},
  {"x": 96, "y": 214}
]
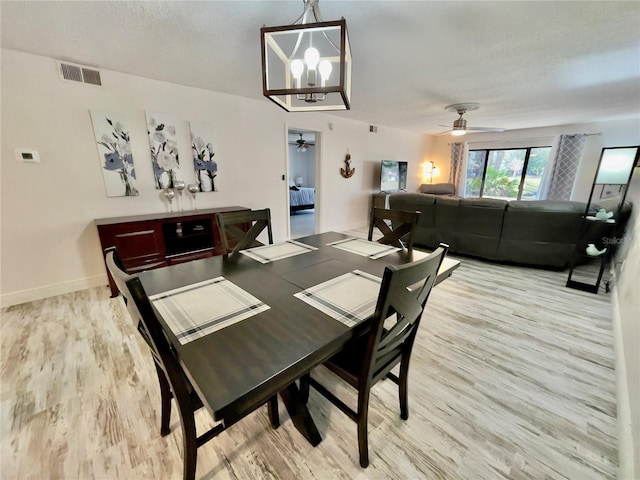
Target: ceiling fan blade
[
  {"x": 487, "y": 129},
  {"x": 441, "y": 125}
]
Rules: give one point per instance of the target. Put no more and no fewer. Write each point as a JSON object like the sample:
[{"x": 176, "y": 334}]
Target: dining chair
[
  {"x": 231, "y": 226},
  {"x": 370, "y": 357},
  {"x": 171, "y": 377},
  {"x": 394, "y": 225}
]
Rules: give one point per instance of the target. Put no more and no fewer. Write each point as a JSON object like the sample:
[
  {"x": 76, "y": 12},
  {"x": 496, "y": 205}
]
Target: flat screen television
[{"x": 393, "y": 176}]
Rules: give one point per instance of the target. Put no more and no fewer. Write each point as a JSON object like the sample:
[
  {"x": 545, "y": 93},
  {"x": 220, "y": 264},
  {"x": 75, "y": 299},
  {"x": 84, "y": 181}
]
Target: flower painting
[
  {"x": 164, "y": 149},
  {"x": 114, "y": 151},
  {"x": 203, "y": 156}
]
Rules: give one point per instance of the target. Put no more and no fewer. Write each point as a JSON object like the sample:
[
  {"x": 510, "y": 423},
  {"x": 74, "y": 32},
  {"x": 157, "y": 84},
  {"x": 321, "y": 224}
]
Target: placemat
[
  {"x": 364, "y": 248},
  {"x": 277, "y": 251},
  {"x": 202, "y": 308},
  {"x": 349, "y": 298}
]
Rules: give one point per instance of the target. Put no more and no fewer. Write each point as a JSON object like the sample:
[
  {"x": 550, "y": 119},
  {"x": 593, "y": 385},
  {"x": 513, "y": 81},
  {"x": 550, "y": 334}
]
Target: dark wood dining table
[{"x": 241, "y": 366}]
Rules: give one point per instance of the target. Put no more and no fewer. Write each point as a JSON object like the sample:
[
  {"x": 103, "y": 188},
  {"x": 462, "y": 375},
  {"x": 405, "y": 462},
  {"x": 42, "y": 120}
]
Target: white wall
[
  {"x": 49, "y": 242},
  {"x": 612, "y": 134},
  {"x": 627, "y": 336}
]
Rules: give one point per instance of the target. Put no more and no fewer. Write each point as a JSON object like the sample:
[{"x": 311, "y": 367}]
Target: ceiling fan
[
  {"x": 302, "y": 144},
  {"x": 460, "y": 125}
]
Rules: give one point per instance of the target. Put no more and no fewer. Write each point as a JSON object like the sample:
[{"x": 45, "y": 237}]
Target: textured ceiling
[{"x": 528, "y": 64}]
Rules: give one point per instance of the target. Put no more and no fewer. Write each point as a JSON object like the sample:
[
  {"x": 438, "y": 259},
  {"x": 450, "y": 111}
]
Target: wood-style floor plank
[{"x": 512, "y": 377}]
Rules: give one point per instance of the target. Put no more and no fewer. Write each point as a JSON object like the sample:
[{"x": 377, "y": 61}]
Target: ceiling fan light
[{"x": 459, "y": 126}]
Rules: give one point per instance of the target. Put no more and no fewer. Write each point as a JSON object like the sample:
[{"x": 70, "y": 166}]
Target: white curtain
[
  {"x": 458, "y": 170},
  {"x": 547, "y": 174},
  {"x": 564, "y": 168}
]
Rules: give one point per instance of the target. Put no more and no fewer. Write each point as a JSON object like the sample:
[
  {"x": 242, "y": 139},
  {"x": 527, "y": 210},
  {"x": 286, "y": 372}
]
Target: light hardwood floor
[
  {"x": 303, "y": 223},
  {"x": 511, "y": 378}
]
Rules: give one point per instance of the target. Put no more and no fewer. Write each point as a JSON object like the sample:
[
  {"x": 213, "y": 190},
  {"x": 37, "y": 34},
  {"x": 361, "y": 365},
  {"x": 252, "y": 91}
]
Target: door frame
[{"x": 318, "y": 172}]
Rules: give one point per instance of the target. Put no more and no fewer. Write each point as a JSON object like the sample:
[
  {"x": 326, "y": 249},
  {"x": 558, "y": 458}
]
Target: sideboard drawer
[{"x": 138, "y": 247}]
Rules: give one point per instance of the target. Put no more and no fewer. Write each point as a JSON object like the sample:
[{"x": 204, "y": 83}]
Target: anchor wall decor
[{"x": 347, "y": 172}]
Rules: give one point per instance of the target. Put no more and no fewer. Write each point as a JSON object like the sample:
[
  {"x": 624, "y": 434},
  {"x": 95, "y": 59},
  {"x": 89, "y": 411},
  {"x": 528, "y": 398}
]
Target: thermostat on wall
[{"x": 27, "y": 155}]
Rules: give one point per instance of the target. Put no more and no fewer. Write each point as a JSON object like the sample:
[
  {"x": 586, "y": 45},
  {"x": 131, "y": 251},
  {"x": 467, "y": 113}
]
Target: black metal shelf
[{"x": 586, "y": 271}]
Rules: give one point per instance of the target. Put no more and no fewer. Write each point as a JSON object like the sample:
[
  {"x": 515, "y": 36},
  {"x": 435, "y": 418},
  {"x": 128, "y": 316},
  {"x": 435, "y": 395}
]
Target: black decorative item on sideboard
[
  {"x": 145, "y": 242},
  {"x": 604, "y": 219},
  {"x": 188, "y": 236}
]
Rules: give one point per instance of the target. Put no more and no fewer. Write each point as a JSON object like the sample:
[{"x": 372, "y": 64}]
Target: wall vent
[{"x": 73, "y": 72}]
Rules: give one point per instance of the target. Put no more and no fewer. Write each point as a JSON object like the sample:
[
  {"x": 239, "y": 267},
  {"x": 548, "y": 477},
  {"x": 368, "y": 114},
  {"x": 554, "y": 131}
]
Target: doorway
[{"x": 302, "y": 183}]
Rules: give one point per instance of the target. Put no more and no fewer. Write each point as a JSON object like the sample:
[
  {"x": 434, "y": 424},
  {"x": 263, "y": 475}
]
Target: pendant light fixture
[{"x": 306, "y": 66}]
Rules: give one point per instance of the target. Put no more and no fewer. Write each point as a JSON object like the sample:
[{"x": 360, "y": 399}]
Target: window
[{"x": 510, "y": 174}]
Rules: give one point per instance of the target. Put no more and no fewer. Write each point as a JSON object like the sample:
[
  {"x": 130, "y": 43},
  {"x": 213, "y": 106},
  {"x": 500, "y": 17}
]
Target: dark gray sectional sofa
[{"x": 541, "y": 233}]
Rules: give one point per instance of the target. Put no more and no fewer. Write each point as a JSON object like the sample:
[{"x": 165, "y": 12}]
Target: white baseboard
[
  {"x": 626, "y": 467},
  {"x": 16, "y": 298}
]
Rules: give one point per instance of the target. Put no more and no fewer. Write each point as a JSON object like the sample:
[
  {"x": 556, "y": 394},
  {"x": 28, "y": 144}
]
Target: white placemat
[
  {"x": 349, "y": 298},
  {"x": 277, "y": 251},
  {"x": 202, "y": 308},
  {"x": 364, "y": 248}
]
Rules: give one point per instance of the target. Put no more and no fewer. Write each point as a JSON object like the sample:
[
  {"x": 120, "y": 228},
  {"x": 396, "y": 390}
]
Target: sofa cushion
[
  {"x": 447, "y": 214},
  {"x": 480, "y": 226},
  {"x": 540, "y": 232},
  {"x": 425, "y": 204}
]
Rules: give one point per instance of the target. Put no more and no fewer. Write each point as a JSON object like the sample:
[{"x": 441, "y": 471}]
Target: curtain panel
[
  {"x": 457, "y": 172},
  {"x": 565, "y": 166}
]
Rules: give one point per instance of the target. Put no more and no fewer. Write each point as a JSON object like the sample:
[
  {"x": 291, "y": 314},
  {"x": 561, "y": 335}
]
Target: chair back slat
[
  {"x": 397, "y": 226},
  {"x": 120, "y": 278},
  {"x": 394, "y": 336},
  {"x": 231, "y": 227},
  {"x": 116, "y": 269}
]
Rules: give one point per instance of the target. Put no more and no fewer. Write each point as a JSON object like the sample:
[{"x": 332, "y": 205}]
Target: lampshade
[
  {"x": 299, "y": 181},
  {"x": 307, "y": 66}
]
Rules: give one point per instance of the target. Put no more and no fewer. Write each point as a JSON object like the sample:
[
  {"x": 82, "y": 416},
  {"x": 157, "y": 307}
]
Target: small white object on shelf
[
  {"x": 592, "y": 251},
  {"x": 603, "y": 214}
]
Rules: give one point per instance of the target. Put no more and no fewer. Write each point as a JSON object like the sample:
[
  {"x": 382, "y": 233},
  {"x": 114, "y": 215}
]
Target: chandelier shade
[{"x": 307, "y": 67}]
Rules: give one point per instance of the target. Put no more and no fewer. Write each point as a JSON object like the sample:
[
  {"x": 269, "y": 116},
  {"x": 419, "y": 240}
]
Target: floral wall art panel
[
  {"x": 203, "y": 153},
  {"x": 114, "y": 153},
  {"x": 163, "y": 144}
]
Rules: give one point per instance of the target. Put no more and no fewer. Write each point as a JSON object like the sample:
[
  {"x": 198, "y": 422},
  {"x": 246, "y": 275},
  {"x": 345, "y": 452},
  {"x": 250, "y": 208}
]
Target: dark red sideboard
[{"x": 151, "y": 241}]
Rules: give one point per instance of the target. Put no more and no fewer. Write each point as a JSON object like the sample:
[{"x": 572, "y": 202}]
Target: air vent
[{"x": 79, "y": 73}]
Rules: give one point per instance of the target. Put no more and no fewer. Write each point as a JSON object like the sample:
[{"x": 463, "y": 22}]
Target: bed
[{"x": 301, "y": 198}]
